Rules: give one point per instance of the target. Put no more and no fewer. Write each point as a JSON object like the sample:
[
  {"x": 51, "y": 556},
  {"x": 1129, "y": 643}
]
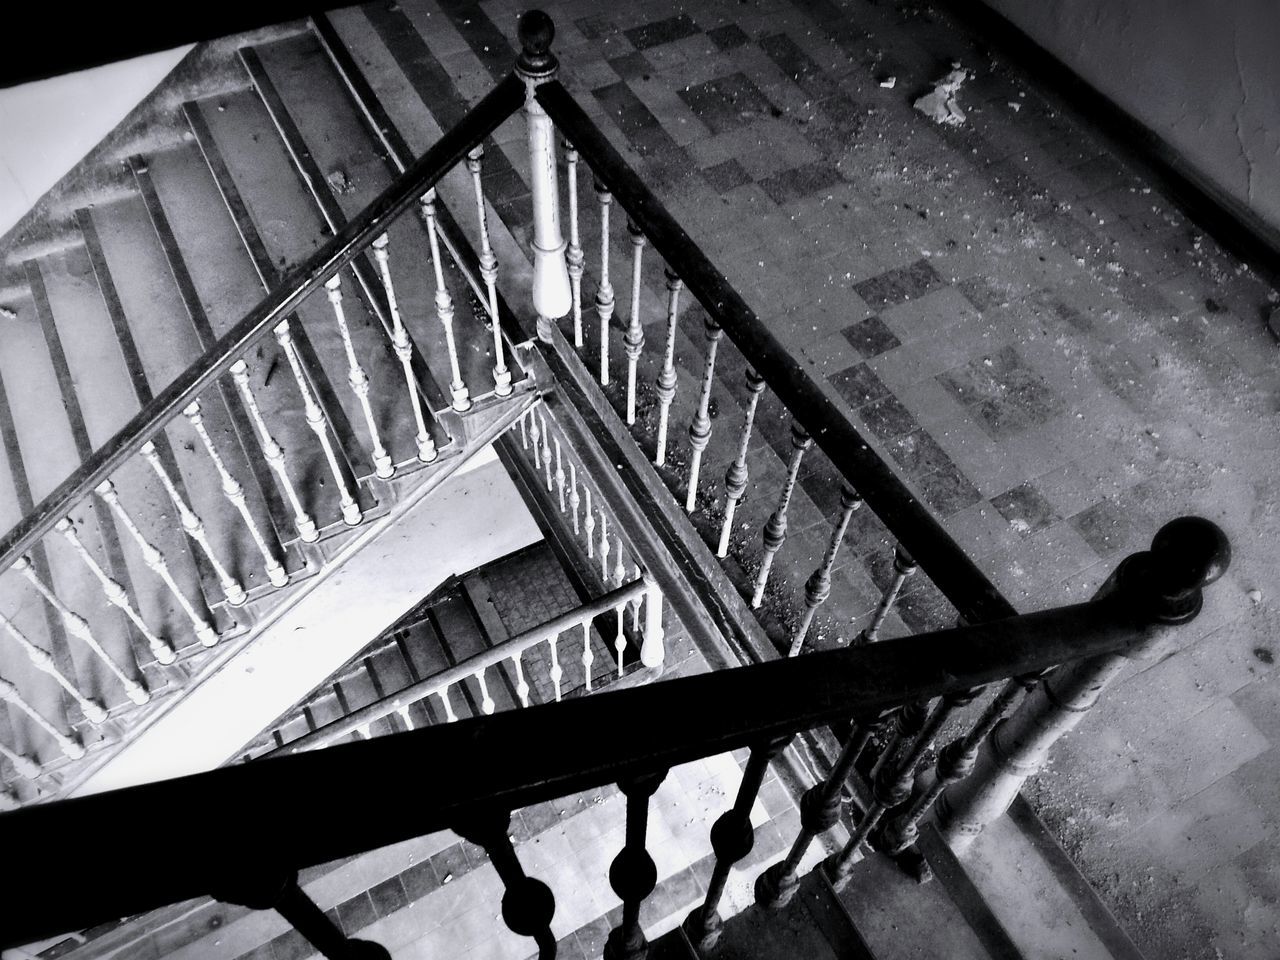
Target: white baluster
[
  {"x": 363, "y": 732},
  {"x": 444, "y": 307},
  {"x": 234, "y": 493},
  {"x": 273, "y": 453},
  {"x": 156, "y": 562},
  {"x": 69, "y": 744},
  {"x": 589, "y": 528},
  {"x": 620, "y": 641},
  {"x": 653, "y": 647},
  {"x": 574, "y": 256},
  {"x": 633, "y": 340},
  {"x": 775, "y": 530},
  {"x": 77, "y": 626},
  {"x": 667, "y": 378},
  {"x": 194, "y": 527},
  {"x": 405, "y": 716},
  {"x": 588, "y": 655},
  {"x": 358, "y": 379},
  {"x": 700, "y": 428},
  {"x": 735, "y": 479},
  {"x": 524, "y": 429},
  {"x": 560, "y": 475},
  {"x": 546, "y": 453},
  {"x": 604, "y": 546},
  {"x": 315, "y": 420},
  {"x": 404, "y": 352},
  {"x": 575, "y": 499},
  {"x": 43, "y": 662},
  {"x": 522, "y": 685},
  {"x": 25, "y": 766},
  {"x": 443, "y": 694},
  {"x": 636, "y": 574},
  {"x": 486, "y": 701},
  {"x": 489, "y": 273},
  {"x": 556, "y": 673},
  {"x": 604, "y": 292},
  {"x": 535, "y": 434},
  {"x": 115, "y": 593},
  {"x": 619, "y": 567}
]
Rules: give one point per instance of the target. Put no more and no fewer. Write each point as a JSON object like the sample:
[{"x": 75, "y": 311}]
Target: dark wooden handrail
[
  {"x": 968, "y": 588},
  {"x": 294, "y": 287},
  {"x": 309, "y": 808}
]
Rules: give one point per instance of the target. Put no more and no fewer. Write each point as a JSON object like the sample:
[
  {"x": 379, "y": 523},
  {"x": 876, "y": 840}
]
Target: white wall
[
  {"x": 1202, "y": 74},
  {"x": 48, "y": 126}
]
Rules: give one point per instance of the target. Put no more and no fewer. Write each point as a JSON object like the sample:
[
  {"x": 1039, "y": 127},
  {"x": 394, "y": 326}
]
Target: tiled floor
[{"x": 1052, "y": 355}]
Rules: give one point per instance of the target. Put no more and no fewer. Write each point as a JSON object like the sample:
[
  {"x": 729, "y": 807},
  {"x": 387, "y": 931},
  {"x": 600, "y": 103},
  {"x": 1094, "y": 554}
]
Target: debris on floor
[
  {"x": 940, "y": 104},
  {"x": 339, "y": 181},
  {"x": 889, "y": 82},
  {"x": 7, "y": 313}
]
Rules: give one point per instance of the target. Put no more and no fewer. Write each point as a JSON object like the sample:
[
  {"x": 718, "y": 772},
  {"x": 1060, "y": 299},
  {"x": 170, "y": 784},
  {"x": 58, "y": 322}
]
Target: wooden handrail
[
  {"x": 363, "y": 795},
  {"x": 293, "y": 288},
  {"x": 971, "y": 592},
  {"x": 330, "y": 732}
]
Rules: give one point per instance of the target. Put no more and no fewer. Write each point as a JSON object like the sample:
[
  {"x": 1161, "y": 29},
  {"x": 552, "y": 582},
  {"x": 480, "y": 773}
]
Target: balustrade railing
[
  {"x": 566, "y": 640},
  {"x": 894, "y": 693},
  {"x": 251, "y": 852},
  {"x": 180, "y": 440}
]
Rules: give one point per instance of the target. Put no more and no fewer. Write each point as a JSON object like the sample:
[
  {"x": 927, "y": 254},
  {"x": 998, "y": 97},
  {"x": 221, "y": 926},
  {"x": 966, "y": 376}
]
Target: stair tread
[
  {"x": 340, "y": 143},
  {"x": 878, "y": 898},
  {"x": 228, "y": 287}
]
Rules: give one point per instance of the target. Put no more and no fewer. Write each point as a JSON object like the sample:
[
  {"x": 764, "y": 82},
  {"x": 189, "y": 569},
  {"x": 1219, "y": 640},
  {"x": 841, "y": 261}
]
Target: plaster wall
[
  {"x": 48, "y": 126},
  {"x": 1201, "y": 74}
]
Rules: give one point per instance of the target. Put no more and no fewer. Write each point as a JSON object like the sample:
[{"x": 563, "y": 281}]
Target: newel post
[
  {"x": 536, "y": 65},
  {"x": 1152, "y": 593},
  {"x": 653, "y": 648}
]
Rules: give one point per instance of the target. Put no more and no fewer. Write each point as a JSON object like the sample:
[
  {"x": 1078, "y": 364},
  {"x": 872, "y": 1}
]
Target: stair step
[
  {"x": 252, "y": 165},
  {"x": 337, "y": 145}
]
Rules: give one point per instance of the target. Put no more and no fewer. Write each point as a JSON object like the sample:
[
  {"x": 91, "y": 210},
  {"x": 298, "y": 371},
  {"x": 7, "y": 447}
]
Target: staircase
[
  {"x": 361, "y": 384},
  {"x": 140, "y": 561}
]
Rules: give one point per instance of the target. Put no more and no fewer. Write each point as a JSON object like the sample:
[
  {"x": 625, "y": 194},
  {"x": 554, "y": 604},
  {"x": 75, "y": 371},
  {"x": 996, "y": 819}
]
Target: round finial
[
  {"x": 1189, "y": 553},
  {"x": 536, "y": 31}
]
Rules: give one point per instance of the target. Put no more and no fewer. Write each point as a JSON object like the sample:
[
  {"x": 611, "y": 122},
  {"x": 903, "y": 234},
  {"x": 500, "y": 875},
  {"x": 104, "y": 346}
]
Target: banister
[
  {"x": 323, "y": 736},
  {"x": 294, "y": 287},
  {"x": 363, "y": 795},
  {"x": 960, "y": 580}
]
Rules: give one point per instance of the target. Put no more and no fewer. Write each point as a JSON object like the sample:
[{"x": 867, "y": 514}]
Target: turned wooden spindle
[
  {"x": 732, "y": 838},
  {"x": 351, "y": 514},
  {"x": 666, "y": 384},
  {"x": 444, "y": 307},
  {"x": 489, "y": 274},
  {"x": 818, "y": 587},
  {"x": 903, "y": 567},
  {"x": 68, "y": 743},
  {"x": 40, "y": 659},
  {"x": 700, "y": 427},
  {"x": 633, "y": 339},
  {"x": 78, "y": 627},
  {"x": 735, "y": 479},
  {"x": 274, "y": 454},
  {"x": 193, "y": 526},
  {"x": 358, "y": 379},
  {"x": 633, "y": 875},
  {"x": 23, "y": 765},
  {"x": 116, "y": 594},
  {"x": 403, "y": 347},
  {"x": 234, "y": 492},
  {"x": 775, "y": 530},
  {"x": 574, "y": 256},
  {"x": 604, "y": 292},
  {"x": 156, "y": 562}
]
